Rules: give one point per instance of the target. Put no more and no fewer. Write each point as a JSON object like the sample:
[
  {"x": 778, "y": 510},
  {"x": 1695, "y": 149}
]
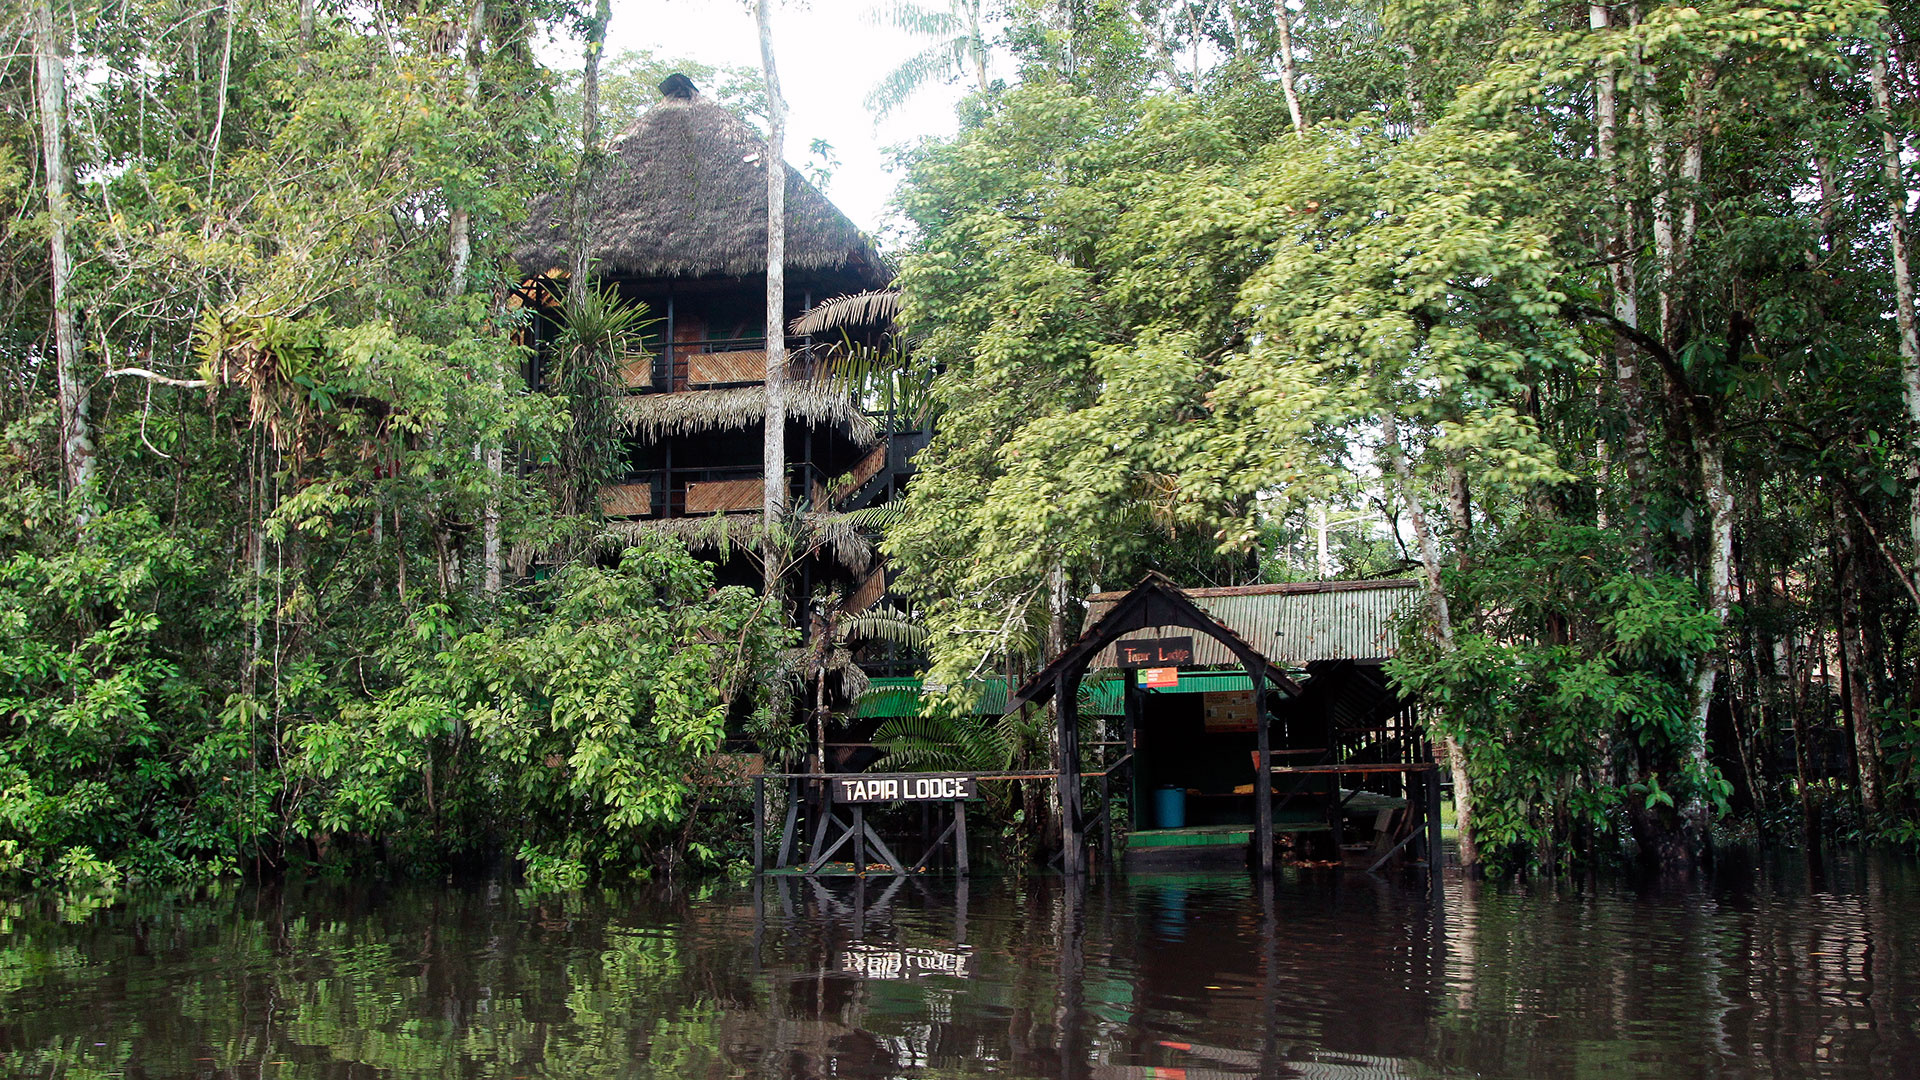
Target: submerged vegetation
[{"x": 1598, "y": 318}]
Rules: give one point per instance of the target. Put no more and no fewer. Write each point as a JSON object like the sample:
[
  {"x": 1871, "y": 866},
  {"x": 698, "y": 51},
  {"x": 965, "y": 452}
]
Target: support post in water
[
  {"x": 1263, "y": 783},
  {"x": 1436, "y": 857},
  {"x": 1064, "y": 707},
  {"x": 960, "y": 838},
  {"x": 759, "y": 824}
]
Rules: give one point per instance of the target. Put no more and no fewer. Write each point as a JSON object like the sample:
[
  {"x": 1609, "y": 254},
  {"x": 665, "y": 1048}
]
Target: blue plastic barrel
[{"x": 1170, "y": 807}]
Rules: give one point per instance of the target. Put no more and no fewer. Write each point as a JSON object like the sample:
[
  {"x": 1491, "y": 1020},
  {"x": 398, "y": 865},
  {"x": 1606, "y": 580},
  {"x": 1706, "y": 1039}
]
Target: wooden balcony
[
  {"x": 672, "y": 493},
  {"x": 713, "y": 365}
]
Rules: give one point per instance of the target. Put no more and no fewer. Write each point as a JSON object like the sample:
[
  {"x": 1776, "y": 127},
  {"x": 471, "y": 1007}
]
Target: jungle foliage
[
  {"x": 1598, "y": 317},
  {"x": 1609, "y": 301},
  {"x": 331, "y": 592}
]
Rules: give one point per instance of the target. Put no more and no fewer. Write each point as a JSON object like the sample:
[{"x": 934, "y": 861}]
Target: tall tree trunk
[
  {"x": 1288, "y": 85},
  {"x": 305, "y": 64},
  {"x": 1621, "y": 273},
  {"x": 459, "y": 261},
  {"x": 1459, "y": 509},
  {"x": 1442, "y": 631},
  {"x": 76, "y": 429},
  {"x": 1891, "y": 147},
  {"x": 1053, "y": 824},
  {"x": 584, "y": 179},
  {"x": 459, "y": 217},
  {"x": 977, "y": 44},
  {"x": 774, "y": 448},
  {"x": 1719, "y": 497},
  {"x": 1853, "y": 658}
]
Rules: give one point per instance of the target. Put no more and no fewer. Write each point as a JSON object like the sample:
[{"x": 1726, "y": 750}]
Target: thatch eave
[
  {"x": 657, "y": 416},
  {"x": 717, "y": 534}
]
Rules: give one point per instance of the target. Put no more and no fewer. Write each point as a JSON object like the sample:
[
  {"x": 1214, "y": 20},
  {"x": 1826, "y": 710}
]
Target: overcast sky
[{"x": 829, "y": 55}]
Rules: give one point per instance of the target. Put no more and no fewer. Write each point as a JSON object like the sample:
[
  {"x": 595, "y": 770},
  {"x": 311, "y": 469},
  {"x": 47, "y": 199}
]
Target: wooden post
[
  {"x": 859, "y": 840},
  {"x": 960, "y": 838},
  {"x": 759, "y": 824},
  {"x": 1065, "y": 708},
  {"x": 1262, "y": 783},
  {"x": 785, "y": 857},
  {"x": 1436, "y": 855},
  {"x": 1106, "y": 817},
  {"x": 1130, "y": 710}
]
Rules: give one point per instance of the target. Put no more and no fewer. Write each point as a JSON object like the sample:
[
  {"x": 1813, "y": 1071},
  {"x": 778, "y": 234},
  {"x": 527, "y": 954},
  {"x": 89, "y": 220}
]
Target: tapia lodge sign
[{"x": 903, "y": 787}]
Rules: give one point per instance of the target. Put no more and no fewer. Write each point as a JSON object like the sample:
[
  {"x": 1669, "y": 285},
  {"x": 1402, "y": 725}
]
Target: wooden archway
[{"x": 1155, "y": 602}]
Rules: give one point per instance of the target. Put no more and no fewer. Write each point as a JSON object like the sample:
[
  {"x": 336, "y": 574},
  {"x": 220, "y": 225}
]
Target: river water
[{"x": 1762, "y": 974}]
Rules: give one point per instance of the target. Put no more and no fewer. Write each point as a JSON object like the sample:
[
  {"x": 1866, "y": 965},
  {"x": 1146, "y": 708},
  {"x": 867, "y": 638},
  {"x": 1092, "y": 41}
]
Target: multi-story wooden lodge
[{"x": 679, "y": 221}]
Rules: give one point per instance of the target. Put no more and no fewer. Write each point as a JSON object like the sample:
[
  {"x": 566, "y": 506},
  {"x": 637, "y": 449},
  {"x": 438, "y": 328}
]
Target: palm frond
[
  {"x": 877, "y": 518},
  {"x": 875, "y": 307},
  {"x": 888, "y": 624},
  {"x": 917, "y": 19},
  {"x": 935, "y": 61}
]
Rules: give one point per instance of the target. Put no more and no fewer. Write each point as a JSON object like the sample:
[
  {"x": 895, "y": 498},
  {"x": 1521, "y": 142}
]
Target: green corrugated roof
[{"x": 901, "y": 697}]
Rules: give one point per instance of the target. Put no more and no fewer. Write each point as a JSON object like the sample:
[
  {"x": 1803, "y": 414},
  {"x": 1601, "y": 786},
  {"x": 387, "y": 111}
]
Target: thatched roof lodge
[
  {"x": 684, "y": 195},
  {"x": 678, "y": 221}
]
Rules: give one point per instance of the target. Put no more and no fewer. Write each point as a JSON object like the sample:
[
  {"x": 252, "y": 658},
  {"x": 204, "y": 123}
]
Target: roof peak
[{"x": 678, "y": 87}]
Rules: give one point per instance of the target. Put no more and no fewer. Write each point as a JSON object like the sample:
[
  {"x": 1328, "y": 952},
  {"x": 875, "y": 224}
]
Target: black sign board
[
  {"x": 902, "y": 787},
  {"x": 1154, "y": 652}
]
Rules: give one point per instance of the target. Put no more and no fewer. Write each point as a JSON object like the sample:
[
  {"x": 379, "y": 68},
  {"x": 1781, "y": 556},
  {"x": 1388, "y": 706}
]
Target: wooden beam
[
  {"x": 1363, "y": 767},
  {"x": 1066, "y": 713},
  {"x": 1262, "y": 791}
]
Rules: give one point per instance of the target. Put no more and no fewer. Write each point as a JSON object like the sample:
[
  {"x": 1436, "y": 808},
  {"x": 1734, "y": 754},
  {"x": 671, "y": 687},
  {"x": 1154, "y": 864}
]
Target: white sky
[{"x": 829, "y": 56}]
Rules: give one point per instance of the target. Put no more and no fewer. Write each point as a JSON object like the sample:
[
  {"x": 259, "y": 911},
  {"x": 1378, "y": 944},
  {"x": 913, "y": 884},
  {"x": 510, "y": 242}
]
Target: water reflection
[{"x": 1195, "y": 976}]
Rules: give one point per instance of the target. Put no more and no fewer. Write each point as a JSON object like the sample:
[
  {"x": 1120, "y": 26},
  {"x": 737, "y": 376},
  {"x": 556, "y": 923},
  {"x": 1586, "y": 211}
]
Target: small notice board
[{"x": 1229, "y": 711}]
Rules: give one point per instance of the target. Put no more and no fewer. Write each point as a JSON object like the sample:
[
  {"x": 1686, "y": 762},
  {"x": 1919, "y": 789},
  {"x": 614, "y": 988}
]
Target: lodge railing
[
  {"x": 701, "y": 492},
  {"x": 670, "y": 367}
]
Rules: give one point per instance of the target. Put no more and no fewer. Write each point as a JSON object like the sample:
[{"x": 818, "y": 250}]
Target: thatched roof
[
  {"x": 656, "y": 416},
  {"x": 684, "y": 193}
]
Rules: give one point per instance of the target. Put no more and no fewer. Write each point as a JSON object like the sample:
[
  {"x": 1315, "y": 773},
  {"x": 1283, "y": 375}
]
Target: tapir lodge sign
[
  {"x": 893, "y": 962},
  {"x": 1154, "y": 652},
  {"x": 902, "y": 787}
]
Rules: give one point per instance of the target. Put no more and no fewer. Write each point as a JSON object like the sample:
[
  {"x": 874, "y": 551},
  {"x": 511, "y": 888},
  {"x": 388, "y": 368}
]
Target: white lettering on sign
[
  {"x": 903, "y": 788},
  {"x": 886, "y": 962}
]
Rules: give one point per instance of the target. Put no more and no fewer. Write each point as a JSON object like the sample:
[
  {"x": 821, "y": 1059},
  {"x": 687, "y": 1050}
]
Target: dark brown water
[{"x": 1195, "y": 977}]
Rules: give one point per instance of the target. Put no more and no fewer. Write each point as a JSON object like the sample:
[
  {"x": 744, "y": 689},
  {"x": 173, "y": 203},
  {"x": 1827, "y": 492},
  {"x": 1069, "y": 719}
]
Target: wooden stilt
[
  {"x": 1066, "y": 710},
  {"x": 785, "y": 857},
  {"x": 1436, "y": 855},
  {"x": 759, "y": 824},
  {"x": 1130, "y": 712},
  {"x": 1263, "y": 781},
  {"x": 960, "y": 839}
]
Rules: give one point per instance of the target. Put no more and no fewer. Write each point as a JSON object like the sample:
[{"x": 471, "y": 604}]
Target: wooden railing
[
  {"x": 663, "y": 493},
  {"x": 713, "y": 365}
]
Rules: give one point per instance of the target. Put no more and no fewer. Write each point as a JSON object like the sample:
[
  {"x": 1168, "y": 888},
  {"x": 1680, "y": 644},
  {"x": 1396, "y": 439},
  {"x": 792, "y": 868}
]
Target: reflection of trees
[{"x": 1211, "y": 975}]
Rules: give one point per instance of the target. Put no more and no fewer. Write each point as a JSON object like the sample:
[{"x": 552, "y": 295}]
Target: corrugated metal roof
[
  {"x": 889, "y": 697},
  {"x": 1290, "y": 624}
]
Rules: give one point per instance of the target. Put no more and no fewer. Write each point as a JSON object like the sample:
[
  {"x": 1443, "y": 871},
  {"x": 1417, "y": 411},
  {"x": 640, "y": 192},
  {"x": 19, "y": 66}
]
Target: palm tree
[{"x": 958, "y": 43}]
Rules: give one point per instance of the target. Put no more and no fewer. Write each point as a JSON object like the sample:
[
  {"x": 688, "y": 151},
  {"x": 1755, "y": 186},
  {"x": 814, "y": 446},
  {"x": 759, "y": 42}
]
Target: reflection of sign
[
  {"x": 894, "y": 962},
  {"x": 1228, "y": 711},
  {"x": 1160, "y": 676},
  {"x": 1154, "y": 652},
  {"x": 910, "y": 787}
]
